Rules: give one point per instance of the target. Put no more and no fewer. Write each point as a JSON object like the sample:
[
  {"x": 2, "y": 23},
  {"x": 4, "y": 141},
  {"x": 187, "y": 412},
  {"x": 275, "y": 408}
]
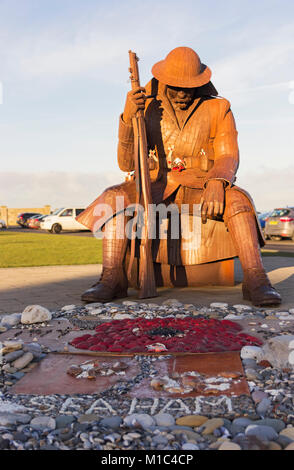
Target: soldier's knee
[
  {"x": 235, "y": 203},
  {"x": 111, "y": 194}
]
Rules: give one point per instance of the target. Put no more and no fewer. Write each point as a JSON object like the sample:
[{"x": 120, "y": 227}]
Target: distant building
[{"x": 10, "y": 214}]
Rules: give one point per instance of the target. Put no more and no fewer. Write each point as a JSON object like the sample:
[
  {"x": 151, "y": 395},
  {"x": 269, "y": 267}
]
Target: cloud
[
  {"x": 58, "y": 189},
  {"x": 269, "y": 187},
  {"x": 93, "y": 40},
  {"x": 257, "y": 67}
]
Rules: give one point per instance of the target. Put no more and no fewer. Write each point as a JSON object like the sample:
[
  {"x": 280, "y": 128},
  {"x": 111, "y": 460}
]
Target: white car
[
  {"x": 2, "y": 224},
  {"x": 62, "y": 219}
]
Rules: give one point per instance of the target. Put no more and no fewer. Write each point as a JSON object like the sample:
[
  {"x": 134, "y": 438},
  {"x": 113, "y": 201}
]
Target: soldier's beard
[{"x": 181, "y": 105}]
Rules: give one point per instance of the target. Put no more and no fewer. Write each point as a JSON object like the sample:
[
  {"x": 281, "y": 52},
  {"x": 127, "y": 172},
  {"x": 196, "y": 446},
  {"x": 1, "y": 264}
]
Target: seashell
[
  {"x": 229, "y": 375},
  {"x": 176, "y": 390},
  {"x": 156, "y": 347},
  {"x": 91, "y": 377},
  {"x": 211, "y": 391},
  {"x": 157, "y": 384}
]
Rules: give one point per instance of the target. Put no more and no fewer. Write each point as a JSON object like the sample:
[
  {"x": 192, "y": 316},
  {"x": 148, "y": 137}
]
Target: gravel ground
[{"x": 111, "y": 420}]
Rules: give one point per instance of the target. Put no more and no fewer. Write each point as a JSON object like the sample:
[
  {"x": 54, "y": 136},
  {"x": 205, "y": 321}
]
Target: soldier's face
[{"x": 181, "y": 98}]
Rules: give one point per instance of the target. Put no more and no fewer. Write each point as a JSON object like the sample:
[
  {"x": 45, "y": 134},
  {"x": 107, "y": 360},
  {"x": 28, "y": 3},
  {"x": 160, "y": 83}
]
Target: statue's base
[{"x": 218, "y": 273}]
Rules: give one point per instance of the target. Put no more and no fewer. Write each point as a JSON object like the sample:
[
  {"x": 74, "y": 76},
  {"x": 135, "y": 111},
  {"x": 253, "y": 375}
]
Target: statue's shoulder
[{"x": 219, "y": 101}]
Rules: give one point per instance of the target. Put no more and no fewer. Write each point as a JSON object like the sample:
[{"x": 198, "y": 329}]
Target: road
[
  {"x": 18, "y": 229},
  {"x": 286, "y": 245}
]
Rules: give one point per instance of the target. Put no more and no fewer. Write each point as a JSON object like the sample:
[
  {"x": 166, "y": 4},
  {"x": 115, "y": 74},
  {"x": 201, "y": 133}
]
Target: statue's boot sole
[{"x": 90, "y": 298}]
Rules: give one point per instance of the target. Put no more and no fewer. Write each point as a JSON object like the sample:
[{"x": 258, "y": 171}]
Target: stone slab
[
  {"x": 50, "y": 376},
  {"x": 208, "y": 364}
]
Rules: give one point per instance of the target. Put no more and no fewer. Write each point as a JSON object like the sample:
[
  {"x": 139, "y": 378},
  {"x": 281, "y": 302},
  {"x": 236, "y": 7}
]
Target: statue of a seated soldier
[{"x": 190, "y": 127}]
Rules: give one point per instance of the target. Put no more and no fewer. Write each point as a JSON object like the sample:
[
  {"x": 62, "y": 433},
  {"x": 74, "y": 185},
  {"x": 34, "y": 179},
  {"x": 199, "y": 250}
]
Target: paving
[
  {"x": 56, "y": 286},
  {"x": 238, "y": 400}
]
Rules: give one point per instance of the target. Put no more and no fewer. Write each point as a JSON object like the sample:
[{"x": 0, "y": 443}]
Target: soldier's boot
[
  {"x": 113, "y": 282},
  {"x": 256, "y": 284}
]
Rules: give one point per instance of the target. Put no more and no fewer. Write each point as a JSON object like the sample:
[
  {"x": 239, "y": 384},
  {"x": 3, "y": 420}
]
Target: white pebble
[
  {"x": 121, "y": 316},
  {"x": 35, "y": 314},
  {"x": 232, "y": 316},
  {"x": 242, "y": 307},
  {"x": 252, "y": 352},
  {"x": 66, "y": 308},
  {"x": 95, "y": 311},
  {"x": 219, "y": 305}
]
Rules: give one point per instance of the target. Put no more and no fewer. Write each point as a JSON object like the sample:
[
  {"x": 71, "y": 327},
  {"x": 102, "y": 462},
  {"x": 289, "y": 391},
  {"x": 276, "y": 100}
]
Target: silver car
[{"x": 280, "y": 223}]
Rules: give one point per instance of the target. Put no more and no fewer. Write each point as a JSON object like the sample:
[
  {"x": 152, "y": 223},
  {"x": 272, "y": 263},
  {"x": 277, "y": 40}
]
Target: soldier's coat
[{"x": 206, "y": 142}]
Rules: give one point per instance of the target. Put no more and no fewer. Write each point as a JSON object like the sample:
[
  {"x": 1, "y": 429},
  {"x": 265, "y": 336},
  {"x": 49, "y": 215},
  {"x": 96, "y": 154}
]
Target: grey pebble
[
  {"x": 34, "y": 348},
  {"x": 143, "y": 419},
  {"x": 262, "y": 432},
  {"x": 12, "y": 356},
  {"x": 263, "y": 407},
  {"x": 162, "y": 440},
  {"x": 113, "y": 422},
  {"x": 283, "y": 441},
  {"x": 164, "y": 419},
  {"x": 8, "y": 419},
  {"x": 64, "y": 420},
  {"x": 42, "y": 423},
  {"x": 4, "y": 443},
  {"x": 242, "y": 422},
  {"x": 18, "y": 375},
  {"x": 250, "y": 363},
  {"x": 190, "y": 446},
  {"x": 277, "y": 424},
  {"x": 11, "y": 320}
]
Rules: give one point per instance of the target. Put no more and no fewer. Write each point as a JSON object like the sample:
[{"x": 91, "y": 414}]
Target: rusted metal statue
[{"x": 194, "y": 157}]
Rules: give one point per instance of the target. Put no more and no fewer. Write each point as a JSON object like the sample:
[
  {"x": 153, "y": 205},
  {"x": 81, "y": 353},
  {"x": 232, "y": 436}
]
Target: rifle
[{"x": 147, "y": 286}]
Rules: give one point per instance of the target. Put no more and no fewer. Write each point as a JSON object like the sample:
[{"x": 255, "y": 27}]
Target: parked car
[
  {"x": 262, "y": 217},
  {"x": 63, "y": 219},
  {"x": 280, "y": 223},
  {"x": 23, "y": 217},
  {"x": 35, "y": 221},
  {"x": 2, "y": 224}
]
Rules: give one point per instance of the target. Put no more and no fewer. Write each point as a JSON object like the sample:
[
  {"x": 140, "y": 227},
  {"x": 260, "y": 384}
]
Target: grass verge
[
  {"x": 41, "y": 249},
  {"x": 30, "y": 249}
]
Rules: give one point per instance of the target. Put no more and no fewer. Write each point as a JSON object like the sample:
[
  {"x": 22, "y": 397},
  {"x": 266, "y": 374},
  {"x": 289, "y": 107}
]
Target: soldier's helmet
[{"x": 182, "y": 68}]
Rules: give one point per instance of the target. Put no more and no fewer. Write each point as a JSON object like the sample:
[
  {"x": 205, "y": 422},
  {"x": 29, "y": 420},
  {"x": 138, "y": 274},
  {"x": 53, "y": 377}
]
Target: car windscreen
[{"x": 57, "y": 211}]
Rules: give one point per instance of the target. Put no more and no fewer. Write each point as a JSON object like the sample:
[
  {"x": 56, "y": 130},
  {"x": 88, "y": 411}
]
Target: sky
[{"x": 64, "y": 78}]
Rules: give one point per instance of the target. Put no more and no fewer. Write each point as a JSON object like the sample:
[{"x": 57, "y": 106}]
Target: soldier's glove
[
  {"x": 212, "y": 201},
  {"x": 135, "y": 101}
]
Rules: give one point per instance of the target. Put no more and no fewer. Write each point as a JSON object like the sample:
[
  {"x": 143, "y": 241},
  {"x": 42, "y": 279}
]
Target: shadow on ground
[{"x": 56, "y": 286}]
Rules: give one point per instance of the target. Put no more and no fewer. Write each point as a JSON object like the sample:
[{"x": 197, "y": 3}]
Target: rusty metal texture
[{"x": 50, "y": 376}]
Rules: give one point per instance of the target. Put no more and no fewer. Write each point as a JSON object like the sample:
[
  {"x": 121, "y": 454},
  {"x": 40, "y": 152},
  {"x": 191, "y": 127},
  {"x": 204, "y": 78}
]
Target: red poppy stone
[{"x": 187, "y": 334}]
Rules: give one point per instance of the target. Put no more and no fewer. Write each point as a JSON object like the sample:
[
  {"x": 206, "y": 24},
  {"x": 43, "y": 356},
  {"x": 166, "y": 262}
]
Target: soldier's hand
[
  {"x": 135, "y": 101},
  {"x": 212, "y": 201}
]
